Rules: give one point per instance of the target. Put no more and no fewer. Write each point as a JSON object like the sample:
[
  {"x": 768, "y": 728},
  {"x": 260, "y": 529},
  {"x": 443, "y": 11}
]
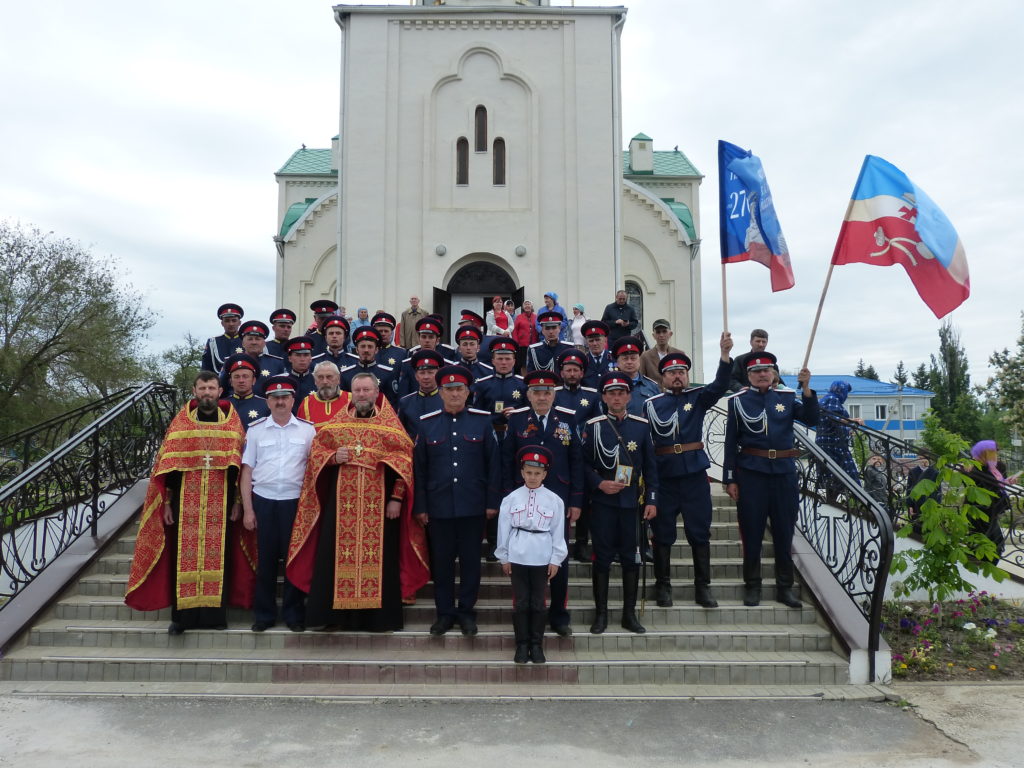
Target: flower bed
[{"x": 977, "y": 638}]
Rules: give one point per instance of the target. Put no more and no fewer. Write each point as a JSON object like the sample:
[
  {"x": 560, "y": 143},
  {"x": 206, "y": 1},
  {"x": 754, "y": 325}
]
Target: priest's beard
[
  {"x": 207, "y": 405},
  {"x": 364, "y": 410},
  {"x": 328, "y": 393}
]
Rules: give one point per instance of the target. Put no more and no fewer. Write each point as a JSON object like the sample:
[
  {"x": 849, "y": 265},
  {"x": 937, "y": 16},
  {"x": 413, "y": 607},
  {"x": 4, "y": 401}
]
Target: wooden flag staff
[{"x": 817, "y": 316}]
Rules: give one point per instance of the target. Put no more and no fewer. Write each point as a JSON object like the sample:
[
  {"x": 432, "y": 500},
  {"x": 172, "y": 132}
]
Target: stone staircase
[{"x": 90, "y": 643}]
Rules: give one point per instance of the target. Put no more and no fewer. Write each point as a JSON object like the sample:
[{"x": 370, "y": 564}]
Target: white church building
[{"x": 479, "y": 153}]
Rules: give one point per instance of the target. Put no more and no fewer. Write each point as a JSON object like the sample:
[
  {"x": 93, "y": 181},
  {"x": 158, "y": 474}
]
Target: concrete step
[
  {"x": 720, "y": 549},
  {"x": 682, "y": 568},
  {"x": 483, "y": 693},
  {"x": 380, "y": 666},
  {"x": 491, "y": 588},
  {"x": 153, "y": 634},
  {"x": 489, "y": 613}
]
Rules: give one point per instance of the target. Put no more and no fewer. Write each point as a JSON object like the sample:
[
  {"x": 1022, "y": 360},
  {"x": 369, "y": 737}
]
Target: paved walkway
[{"x": 951, "y": 726}]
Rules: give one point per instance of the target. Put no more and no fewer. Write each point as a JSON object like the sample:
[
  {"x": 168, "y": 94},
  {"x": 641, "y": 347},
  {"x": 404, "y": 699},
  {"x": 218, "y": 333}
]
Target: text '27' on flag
[
  {"x": 891, "y": 220},
  {"x": 749, "y": 228}
]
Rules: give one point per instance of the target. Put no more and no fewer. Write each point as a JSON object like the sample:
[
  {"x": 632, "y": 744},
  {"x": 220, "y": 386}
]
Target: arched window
[
  {"x": 462, "y": 161},
  {"x": 480, "y": 123},
  {"x": 499, "y": 162},
  {"x": 635, "y": 299}
]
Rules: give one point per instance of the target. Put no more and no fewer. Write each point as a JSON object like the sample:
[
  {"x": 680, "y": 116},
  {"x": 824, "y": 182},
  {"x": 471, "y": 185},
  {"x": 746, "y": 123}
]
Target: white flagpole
[{"x": 725, "y": 303}]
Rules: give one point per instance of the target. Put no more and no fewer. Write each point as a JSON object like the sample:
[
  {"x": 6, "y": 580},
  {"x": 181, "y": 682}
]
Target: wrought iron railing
[
  {"x": 22, "y": 449},
  {"x": 52, "y": 503},
  {"x": 890, "y": 467},
  {"x": 849, "y": 530}
]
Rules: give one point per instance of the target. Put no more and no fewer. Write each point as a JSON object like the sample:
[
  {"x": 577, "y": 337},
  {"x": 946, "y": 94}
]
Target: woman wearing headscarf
[
  {"x": 991, "y": 479},
  {"x": 576, "y": 326},
  {"x": 833, "y": 434}
]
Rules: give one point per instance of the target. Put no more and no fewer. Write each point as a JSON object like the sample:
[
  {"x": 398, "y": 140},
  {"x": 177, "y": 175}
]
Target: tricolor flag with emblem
[
  {"x": 749, "y": 228},
  {"x": 891, "y": 220}
]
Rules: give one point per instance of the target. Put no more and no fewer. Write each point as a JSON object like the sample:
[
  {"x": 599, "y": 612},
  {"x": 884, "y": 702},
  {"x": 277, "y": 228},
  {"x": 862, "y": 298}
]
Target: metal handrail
[
  {"x": 49, "y": 505},
  {"x": 19, "y": 450},
  {"x": 900, "y": 456},
  {"x": 850, "y": 531}
]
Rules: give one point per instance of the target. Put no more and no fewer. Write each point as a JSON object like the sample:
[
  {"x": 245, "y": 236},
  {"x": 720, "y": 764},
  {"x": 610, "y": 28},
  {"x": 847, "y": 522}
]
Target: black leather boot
[
  {"x": 630, "y": 582},
  {"x": 521, "y": 626},
  {"x": 784, "y": 585},
  {"x": 702, "y": 577},
  {"x": 662, "y": 579},
  {"x": 600, "y": 582},
  {"x": 751, "y": 581},
  {"x": 537, "y": 621}
]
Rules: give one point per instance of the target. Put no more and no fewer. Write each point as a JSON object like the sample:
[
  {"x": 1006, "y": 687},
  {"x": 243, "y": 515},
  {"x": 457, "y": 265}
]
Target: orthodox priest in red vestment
[
  {"x": 356, "y": 549},
  {"x": 192, "y": 552}
]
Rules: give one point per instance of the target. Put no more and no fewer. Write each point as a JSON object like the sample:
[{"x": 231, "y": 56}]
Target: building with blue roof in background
[{"x": 898, "y": 411}]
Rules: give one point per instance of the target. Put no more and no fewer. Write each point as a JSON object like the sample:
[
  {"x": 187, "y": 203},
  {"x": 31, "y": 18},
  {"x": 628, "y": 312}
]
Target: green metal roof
[
  {"x": 294, "y": 213},
  {"x": 682, "y": 212},
  {"x": 670, "y": 163},
  {"x": 308, "y": 162},
  {"x": 641, "y": 137}
]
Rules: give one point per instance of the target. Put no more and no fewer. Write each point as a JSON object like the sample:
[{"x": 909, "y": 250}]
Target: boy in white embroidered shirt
[{"x": 531, "y": 545}]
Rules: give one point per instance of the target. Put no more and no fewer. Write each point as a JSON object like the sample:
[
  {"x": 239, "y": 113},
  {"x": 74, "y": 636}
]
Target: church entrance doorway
[{"x": 473, "y": 287}]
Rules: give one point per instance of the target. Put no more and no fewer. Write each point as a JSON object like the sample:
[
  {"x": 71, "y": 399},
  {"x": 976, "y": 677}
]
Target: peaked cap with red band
[
  {"x": 229, "y": 310},
  {"x": 281, "y": 384},
  {"x": 504, "y": 345},
  {"x": 542, "y": 380},
  {"x": 469, "y": 332},
  {"x": 384, "y": 318},
  {"x": 762, "y": 360},
  {"x": 454, "y": 376},
  {"x": 469, "y": 316},
  {"x": 595, "y": 328},
  {"x": 299, "y": 344},
  {"x": 254, "y": 328},
  {"x": 323, "y": 307},
  {"x": 336, "y": 321},
  {"x": 626, "y": 345},
  {"x": 550, "y": 317},
  {"x": 429, "y": 325},
  {"x": 366, "y": 333},
  {"x": 283, "y": 315},
  {"x": 427, "y": 358},
  {"x": 235, "y": 362},
  {"x": 615, "y": 380},
  {"x": 534, "y": 456},
  {"x": 571, "y": 357},
  {"x": 674, "y": 361}
]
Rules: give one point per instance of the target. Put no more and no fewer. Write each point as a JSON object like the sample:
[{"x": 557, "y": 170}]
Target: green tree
[
  {"x": 947, "y": 533},
  {"x": 865, "y": 371},
  {"x": 900, "y": 375},
  {"x": 180, "y": 364},
  {"x": 70, "y": 330},
  {"x": 954, "y": 403},
  {"x": 922, "y": 378},
  {"x": 1004, "y": 391}
]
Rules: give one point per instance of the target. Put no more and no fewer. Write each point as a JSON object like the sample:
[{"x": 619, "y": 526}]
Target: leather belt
[
  {"x": 665, "y": 450},
  {"x": 772, "y": 453}
]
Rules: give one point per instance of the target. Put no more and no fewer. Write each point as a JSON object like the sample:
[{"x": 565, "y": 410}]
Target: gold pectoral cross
[
  {"x": 207, "y": 459},
  {"x": 358, "y": 450}
]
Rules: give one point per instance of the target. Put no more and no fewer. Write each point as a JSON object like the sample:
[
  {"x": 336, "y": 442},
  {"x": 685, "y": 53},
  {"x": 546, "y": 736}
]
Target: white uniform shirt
[
  {"x": 531, "y": 528},
  {"x": 277, "y": 455}
]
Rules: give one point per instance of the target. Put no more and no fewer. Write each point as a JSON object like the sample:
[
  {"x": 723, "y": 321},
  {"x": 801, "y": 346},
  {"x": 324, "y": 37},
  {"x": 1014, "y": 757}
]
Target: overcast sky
[{"x": 151, "y": 131}]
